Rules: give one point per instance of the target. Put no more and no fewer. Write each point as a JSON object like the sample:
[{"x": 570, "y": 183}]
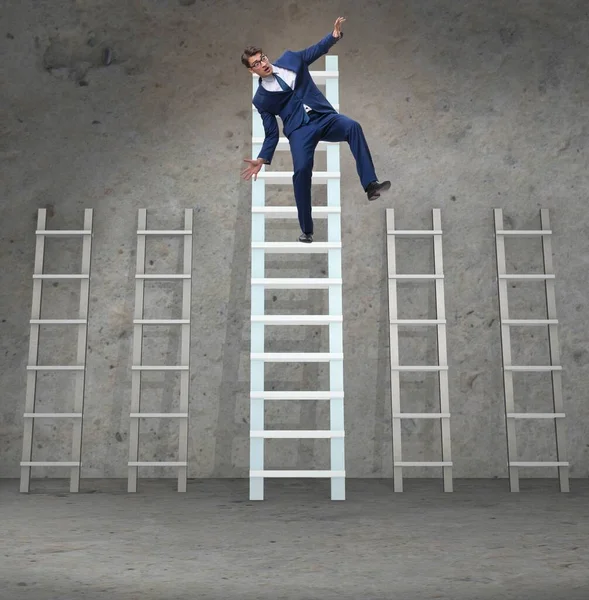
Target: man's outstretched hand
[
  {"x": 337, "y": 28},
  {"x": 253, "y": 169}
]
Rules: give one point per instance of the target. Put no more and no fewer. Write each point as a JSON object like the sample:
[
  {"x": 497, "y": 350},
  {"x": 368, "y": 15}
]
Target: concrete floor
[{"x": 480, "y": 542}]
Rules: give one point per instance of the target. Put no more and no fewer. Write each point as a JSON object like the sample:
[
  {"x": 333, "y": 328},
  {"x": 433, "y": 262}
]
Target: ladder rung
[
  {"x": 421, "y": 415},
  {"x": 419, "y": 368},
  {"x": 162, "y": 276},
  {"x": 414, "y": 232},
  {"x": 538, "y": 464},
  {"x": 529, "y": 322},
  {"x": 164, "y": 232},
  {"x": 296, "y": 247},
  {"x": 297, "y": 319},
  {"x": 524, "y": 232},
  {"x": 157, "y": 464},
  {"x": 318, "y": 77},
  {"x": 50, "y": 463},
  {"x": 295, "y": 435},
  {"x": 55, "y": 367},
  {"x": 52, "y": 415},
  {"x": 57, "y": 321},
  {"x": 285, "y": 177},
  {"x": 535, "y": 415},
  {"x": 63, "y": 232},
  {"x": 416, "y": 277},
  {"x": 532, "y": 368},
  {"x": 293, "y": 283},
  {"x": 290, "y": 212},
  {"x": 526, "y": 277},
  {"x": 296, "y": 356},
  {"x": 158, "y": 415},
  {"x": 161, "y": 321},
  {"x": 286, "y": 395},
  {"x": 417, "y": 321},
  {"x": 284, "y": 144},
  {"x": 158, "y": 368},
  {"x": 60, "y": 276},
  {"x": 422, "y": 464},
  {"x": 297, "y": 474}
]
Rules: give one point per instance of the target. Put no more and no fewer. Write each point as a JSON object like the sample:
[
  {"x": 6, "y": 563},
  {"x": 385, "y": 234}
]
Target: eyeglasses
[{"x": 263, "y": 59}]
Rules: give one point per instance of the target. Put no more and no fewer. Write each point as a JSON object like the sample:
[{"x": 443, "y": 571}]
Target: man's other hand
[{"x": 253, "y": 169}]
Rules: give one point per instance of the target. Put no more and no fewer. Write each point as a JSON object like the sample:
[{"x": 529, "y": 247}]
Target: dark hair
[{"x": 249, "y": 51}]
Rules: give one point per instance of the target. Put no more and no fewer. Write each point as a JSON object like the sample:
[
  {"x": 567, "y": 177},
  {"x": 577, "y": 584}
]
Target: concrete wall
[{"x": 467, "y": 106}]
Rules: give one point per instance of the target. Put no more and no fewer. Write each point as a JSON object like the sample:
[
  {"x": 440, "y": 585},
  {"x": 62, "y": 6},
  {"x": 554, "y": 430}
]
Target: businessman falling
[{"x": 286, "y": 89}]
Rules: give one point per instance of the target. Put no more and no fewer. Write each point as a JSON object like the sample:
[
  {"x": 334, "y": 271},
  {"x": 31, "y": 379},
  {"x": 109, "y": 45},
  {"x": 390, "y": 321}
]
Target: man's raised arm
[{"x": 312, "y": 53}]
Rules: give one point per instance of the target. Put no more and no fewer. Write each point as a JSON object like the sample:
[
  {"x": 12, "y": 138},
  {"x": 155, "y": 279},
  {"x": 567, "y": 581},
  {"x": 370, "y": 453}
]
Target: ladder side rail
[
  {"x": 442, "y": 351},
  {"x": 394, "y": 351},
  {"x": 257, "y": 366},
  {"x": 137, "y": 353},
  {"x": 556, "y": 375},
  {"x": 29, "y": 424},
  {"x": 81, "y": 353},
  {"x": 185, "y": 351},
  {"x": 336, "y": 367},
  {"x": 508, "y": 392}
]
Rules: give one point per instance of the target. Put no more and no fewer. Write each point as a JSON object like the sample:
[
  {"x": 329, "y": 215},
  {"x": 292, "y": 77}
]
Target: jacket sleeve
[
  {"x": 271, "y": 138},
  {"x": 312, "y": 53}
]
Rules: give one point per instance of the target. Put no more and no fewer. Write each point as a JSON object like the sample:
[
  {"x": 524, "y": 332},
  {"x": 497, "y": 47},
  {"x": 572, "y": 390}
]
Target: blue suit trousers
[{"x": 329, "y": 127}]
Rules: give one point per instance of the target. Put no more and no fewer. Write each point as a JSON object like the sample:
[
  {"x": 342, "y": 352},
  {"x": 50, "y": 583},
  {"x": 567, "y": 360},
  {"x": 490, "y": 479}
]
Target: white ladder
[
  {"x": 184, "y": 367},
  {"x": 554, "y": 368},
  {"x": 396, "y": 368},
  {"x": 334, "y": 320},
  {"x": 79, "y": 368}
]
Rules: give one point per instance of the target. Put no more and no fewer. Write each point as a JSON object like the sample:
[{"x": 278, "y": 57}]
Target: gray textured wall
[{"x": 467, "y": 106}]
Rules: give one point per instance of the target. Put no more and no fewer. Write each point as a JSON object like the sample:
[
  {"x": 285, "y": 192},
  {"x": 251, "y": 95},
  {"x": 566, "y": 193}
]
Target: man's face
[{"x": 260, "y": 65}]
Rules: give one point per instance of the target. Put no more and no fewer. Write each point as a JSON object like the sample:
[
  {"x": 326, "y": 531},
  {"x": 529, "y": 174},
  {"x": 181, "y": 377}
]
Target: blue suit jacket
[{"x": 289, "y": 104}]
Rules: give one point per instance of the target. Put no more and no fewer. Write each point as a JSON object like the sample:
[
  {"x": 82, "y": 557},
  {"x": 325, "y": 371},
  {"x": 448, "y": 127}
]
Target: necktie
[
  {"x": 286, "y": 88},
  {"x": 282, "y": 83}
]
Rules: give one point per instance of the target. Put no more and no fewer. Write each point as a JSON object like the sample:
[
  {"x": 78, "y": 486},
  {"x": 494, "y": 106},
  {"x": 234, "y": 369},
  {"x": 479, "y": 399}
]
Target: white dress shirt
[{"x": 271, "y": 84}]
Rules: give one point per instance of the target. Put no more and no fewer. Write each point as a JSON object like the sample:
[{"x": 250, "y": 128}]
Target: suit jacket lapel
[
  {"x": 283, "y": 65},
  {"x": 264, "y": 91}
]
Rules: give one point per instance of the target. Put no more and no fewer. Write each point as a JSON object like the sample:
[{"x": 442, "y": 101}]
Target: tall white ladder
[
  {"x": 184, "y": 367},
  {"x": 334, "y": 320},
  {"x": 554, "y": 368},
  {"x": 396, "y": 368},
  {"x": 79, "y": 368}
]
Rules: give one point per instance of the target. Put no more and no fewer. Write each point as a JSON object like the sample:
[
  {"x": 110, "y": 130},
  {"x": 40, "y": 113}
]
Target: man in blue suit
[{"x": 286, "y": 89}]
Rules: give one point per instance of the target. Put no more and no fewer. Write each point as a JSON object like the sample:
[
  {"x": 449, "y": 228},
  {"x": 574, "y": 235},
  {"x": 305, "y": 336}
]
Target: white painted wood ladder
[
  {"x": 396, "y": 368},
  {"x": 334, "y": 320},
  {"x": 554, "y": 368},
  {"x": 30, "y": 415},
  {"x": 184, "y": 367}
]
